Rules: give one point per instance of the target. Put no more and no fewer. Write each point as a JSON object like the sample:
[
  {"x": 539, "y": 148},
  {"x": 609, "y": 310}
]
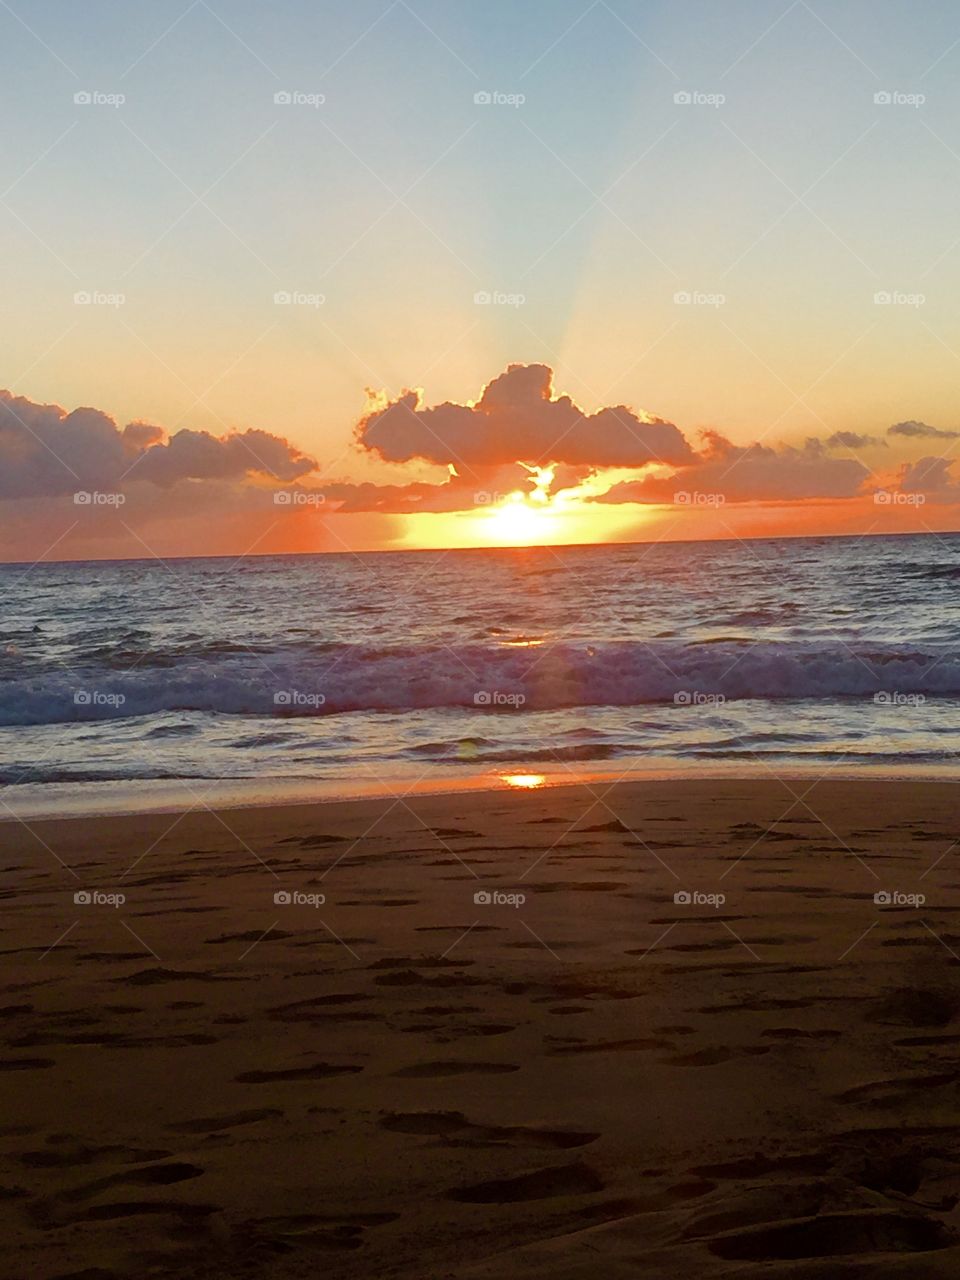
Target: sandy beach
[{"x": 581, "y": 1076}]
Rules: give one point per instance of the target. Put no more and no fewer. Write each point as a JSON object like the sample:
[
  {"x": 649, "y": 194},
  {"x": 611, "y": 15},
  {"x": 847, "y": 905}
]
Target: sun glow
[
  {"x": 518, "y": 521},
  {"x": 525, "y": 781}
]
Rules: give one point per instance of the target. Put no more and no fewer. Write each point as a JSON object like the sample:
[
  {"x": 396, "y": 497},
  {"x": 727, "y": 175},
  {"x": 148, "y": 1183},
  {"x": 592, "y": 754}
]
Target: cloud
[
  {"x": 930, "y": 476},
  {"x": 853, "y": 440},
  {"x": 921, "y": 431},
  {"x": 750, "y": 473},
  {"x": 399, "y": 499},
  {"x": 201, "y": 456},
  {"x": 47, "y": 452},
  {"x": 518, "y": 419}
]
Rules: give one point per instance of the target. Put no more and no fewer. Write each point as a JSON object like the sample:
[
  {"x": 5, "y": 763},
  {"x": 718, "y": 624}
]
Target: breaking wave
[{"x": 298, "y": 681}]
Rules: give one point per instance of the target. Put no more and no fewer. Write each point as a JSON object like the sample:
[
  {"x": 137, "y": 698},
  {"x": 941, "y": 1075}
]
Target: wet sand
[{"x": 407, "y": 1081}]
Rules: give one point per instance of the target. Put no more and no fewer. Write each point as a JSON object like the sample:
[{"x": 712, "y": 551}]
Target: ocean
[{"x": 137, "y": 683}]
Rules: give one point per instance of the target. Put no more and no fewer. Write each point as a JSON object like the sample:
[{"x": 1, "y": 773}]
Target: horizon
[{"x": 501, "y": 547}]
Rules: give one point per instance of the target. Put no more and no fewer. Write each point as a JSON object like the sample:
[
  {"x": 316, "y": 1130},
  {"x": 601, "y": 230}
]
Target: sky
[{"x": 445, "y": 272}]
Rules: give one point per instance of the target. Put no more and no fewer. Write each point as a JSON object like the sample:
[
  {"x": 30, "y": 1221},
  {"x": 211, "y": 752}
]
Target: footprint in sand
[
  {"x": 454, "y": 1125},
  {"x": 543, "y": 1184},
  {"x": 318, "y": 1071},
  {"x": 317, "y": 1231},
  {"x": 712, "y": 1056},
  {"x": 438, "y": 1070},
  {"x": 889, "y": 1093},
  {"x": 76, "y": 1155},
  {"x": 157, "y": 1175},
  {"x": 216, "y": 1124},
  {"x": 614, "y": 1046},
  {"x": 831, "y": 1235}
]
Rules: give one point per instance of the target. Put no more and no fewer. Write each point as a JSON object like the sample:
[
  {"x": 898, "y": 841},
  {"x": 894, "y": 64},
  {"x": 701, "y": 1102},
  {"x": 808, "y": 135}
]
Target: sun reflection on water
[{"x": 525, "y": 781}]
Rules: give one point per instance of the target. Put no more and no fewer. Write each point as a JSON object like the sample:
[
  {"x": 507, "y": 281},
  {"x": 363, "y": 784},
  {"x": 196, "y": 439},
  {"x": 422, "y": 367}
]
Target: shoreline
[{"x": 128, "y": 798}]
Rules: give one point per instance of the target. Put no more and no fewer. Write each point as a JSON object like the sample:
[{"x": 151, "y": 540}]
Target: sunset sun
[{"x": 518, "y": 521}]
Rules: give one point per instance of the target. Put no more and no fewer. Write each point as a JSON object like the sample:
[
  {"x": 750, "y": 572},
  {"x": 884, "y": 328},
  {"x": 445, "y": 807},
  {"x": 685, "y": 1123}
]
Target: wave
[{"x": 493, "y": 679}]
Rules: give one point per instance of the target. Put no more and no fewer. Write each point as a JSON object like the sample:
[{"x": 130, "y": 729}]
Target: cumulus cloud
[
  {"x": 751, "y": 473},
  {"x": 201, "y": 456},
  {"x": 398, "y": 499},
  {"x": 921, "y": 431},
  {"x": 854, "y": 440},
  {"x": 46, "y": 452},
  {"x": 930, "y": 476},
  {"x": 518, "y": 418}
]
